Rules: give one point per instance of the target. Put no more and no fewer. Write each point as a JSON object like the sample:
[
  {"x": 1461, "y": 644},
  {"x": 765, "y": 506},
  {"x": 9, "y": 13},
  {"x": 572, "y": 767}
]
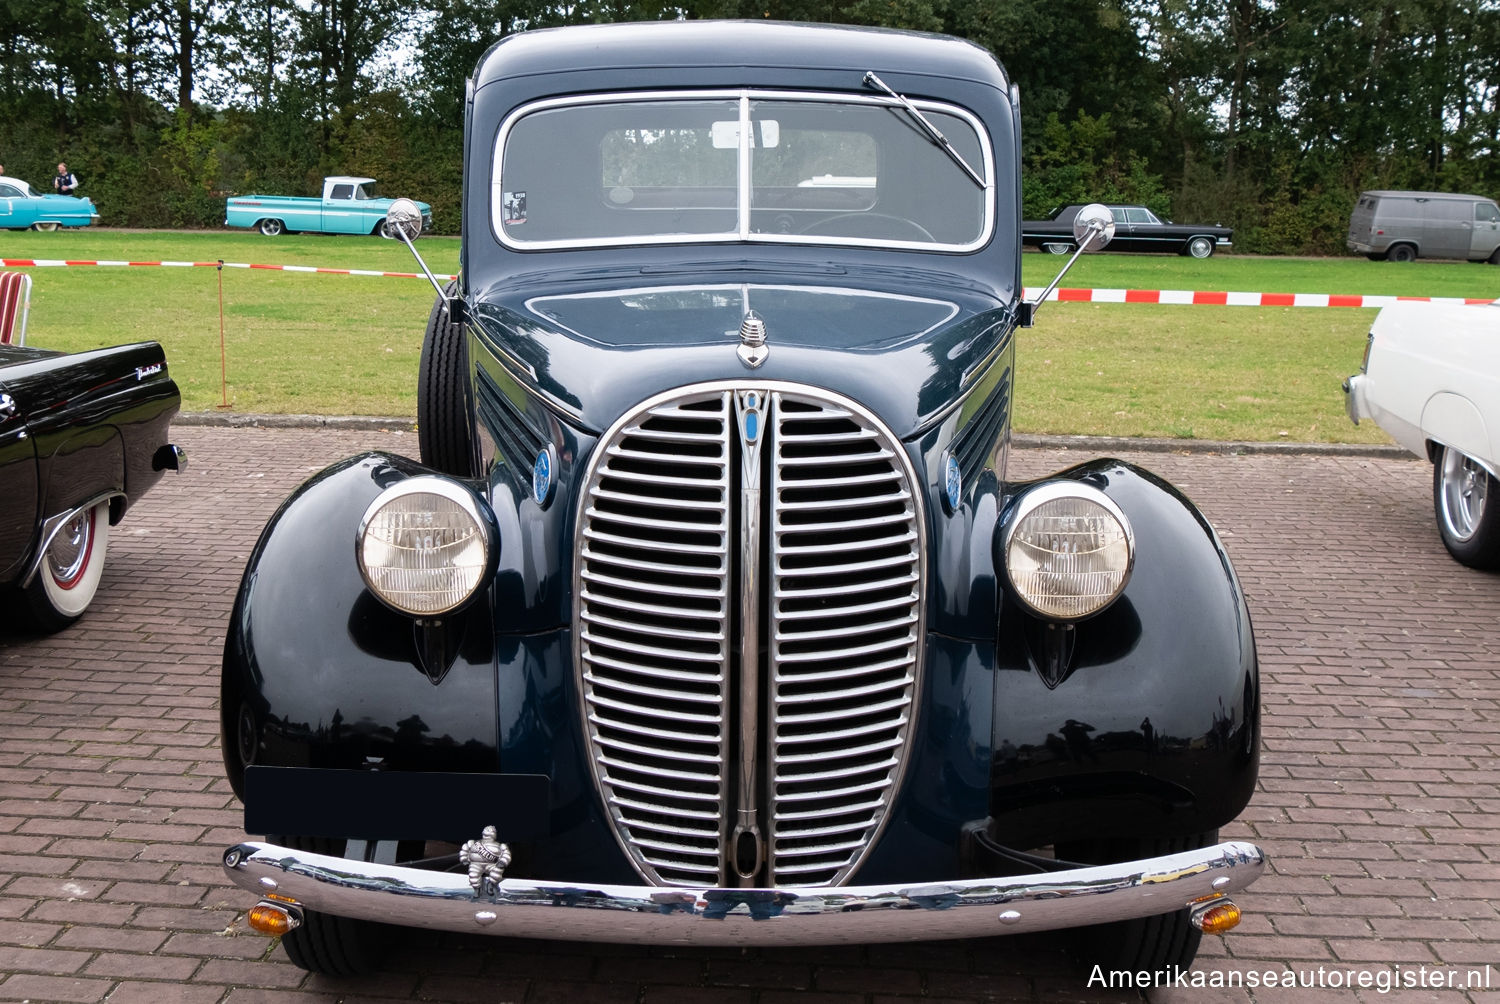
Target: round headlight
[
  {"x": 423, "y": 546},
  {"x": 1068, "y": 550}
]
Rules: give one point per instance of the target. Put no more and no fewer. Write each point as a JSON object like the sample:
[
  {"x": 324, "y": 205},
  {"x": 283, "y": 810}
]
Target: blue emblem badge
[
  {"x": 953, "y": 486},
  {"x": 541, "y": 477}
]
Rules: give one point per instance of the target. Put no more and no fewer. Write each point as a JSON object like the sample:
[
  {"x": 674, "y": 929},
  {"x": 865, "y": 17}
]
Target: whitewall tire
[{"x": 68, "y": 578}]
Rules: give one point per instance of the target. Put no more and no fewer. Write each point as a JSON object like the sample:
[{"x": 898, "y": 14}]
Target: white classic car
[{"x": 1431, "y": 379}]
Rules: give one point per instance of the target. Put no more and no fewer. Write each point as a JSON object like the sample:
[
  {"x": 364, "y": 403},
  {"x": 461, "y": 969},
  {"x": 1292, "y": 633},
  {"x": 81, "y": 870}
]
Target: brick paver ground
[{"x": 1377, "y": 803}]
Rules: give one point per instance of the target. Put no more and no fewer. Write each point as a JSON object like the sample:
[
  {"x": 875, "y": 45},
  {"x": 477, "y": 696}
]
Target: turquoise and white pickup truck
[{"x": 348, "y": 206}]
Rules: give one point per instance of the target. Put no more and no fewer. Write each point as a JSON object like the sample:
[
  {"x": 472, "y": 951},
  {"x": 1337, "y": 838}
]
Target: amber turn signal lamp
[
  {"x": 1216, "y": 916},
  {"x": 273, "y": 919}
]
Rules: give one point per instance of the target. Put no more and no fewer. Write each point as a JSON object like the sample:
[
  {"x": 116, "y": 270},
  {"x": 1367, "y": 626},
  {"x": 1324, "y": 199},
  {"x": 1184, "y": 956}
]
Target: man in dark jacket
[{"x": 64, "y": 182}]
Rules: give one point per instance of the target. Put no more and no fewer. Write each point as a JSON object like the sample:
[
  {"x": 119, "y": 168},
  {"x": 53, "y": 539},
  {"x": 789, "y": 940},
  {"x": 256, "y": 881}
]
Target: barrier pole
[{"x": 223, "y": 352}]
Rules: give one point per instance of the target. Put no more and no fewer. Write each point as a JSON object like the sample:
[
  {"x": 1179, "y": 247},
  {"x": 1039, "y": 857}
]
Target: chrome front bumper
[{"x": 967, "y": 908}]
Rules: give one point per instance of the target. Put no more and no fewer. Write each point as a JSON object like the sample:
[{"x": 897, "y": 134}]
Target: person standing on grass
[{"x": 64, "y": 182}]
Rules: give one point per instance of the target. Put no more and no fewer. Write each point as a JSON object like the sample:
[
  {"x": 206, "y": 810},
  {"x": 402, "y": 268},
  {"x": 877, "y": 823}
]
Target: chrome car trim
[
  {"x": 53, "y": 525},
  {"x": 1461, "y": 493},
  {"x": 752, "y": 349},
  {"x": 653, "y": 551},
  {"x": 1354, "y": 394},
  {"x": 657, "y": 587},
  {"x": 751, "y": 412},
  {"x": 741, "y": 233},
  {"x": 846, "y": 652},
  {"x": 486, "y": 858},
  {"x": 529, "y": 908}
]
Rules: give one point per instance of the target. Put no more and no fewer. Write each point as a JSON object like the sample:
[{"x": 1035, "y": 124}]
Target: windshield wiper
[{"x": 871, "y": 80}]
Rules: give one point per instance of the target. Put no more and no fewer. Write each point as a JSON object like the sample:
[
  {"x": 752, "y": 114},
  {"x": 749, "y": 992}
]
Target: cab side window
[
  {"x": 342, "y": 192},
  {"x": 1485, "y": 212},
  {"x": 10, "y": 192}
]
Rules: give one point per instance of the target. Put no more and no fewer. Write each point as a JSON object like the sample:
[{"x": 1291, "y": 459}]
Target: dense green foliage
[{"x": 1269, "y": 115}]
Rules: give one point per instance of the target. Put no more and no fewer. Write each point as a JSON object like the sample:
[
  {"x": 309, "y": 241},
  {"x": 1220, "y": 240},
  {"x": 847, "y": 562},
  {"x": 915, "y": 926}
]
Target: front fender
[
  {"x": 319, "y": 673},
  {"x": 1149, "y": 719}
]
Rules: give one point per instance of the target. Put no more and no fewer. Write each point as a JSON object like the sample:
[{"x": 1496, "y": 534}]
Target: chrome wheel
[
  {"x": 1200, "y": 247},
  {"x": 1465, "y": 497},
  {"x": 1462, "y": 495},
  {"x": 69, "y": 554},
  {"x": 271, "y": 227},
  {"x": 68, "y": 576}
]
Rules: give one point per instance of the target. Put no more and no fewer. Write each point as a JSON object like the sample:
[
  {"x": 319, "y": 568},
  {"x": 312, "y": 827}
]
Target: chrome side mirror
[
  {"x": 1093, "y": 228},
  {"x": 403, "y": 222}
]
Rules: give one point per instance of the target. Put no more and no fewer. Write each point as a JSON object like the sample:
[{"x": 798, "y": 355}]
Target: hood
[{"x": 907, "y": 355}]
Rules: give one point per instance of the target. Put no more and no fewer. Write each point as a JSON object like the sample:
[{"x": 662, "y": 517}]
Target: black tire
[
  {"x": 445, "y": 432},
  {"x": 68, "y": 579},
  {"x": 1160, "y": 942},
  {"x": 1466, "y": 501},
  {"x": 271, "y": 227},
  {"x": 1401, "y": 252},
  {"x": 1494, "y": 258},
  {"x": 330, "y": 945},
  {"x": 1199, "y": 247}
]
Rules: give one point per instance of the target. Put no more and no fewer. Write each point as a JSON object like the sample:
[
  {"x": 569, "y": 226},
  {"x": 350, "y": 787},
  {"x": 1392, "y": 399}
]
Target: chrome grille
[
  {"x": 845, "y": 615},
  {"x": 652, "y": 624},
  {"x": 657, "y": 581}
]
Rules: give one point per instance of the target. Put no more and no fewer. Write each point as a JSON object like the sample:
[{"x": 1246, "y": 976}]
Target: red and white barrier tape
[
  {"x": 1199, "y": 297},
  {"x": 1204, "y": 297},
  {"x": 58, "y": 263}
]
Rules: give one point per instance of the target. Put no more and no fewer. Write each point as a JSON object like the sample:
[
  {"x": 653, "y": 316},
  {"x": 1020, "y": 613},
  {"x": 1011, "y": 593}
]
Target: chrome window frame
[{"x": 742, "y": 233}]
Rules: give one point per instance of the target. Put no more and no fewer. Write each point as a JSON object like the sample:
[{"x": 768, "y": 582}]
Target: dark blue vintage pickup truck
[{"x": 708, "y": 613}]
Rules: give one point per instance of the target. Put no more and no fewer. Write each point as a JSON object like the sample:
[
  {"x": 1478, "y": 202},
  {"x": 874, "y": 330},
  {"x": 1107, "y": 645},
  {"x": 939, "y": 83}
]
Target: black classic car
[
  {"x": 82, "y": 437},
  {"x": 1136, "y": 229},
  {"x": 708, "y": 614}
]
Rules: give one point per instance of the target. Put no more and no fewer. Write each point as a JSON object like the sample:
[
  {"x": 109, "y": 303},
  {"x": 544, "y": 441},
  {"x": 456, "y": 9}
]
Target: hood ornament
[{"x": 752, "y": 348}]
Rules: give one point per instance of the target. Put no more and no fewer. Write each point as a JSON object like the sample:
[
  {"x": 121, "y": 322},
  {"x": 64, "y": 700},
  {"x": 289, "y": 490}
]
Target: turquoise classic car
[
  {"x": 21, "y": 207},
  {"x": 348, "y": 206}
]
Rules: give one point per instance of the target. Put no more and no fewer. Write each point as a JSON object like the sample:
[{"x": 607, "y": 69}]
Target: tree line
[{"x": 1268, "y": 115}]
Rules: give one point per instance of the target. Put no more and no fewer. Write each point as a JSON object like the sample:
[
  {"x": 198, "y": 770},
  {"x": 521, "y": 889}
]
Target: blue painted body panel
[
  {"x": 22, "y": 207},
  {"x": 326, "y": 215}
]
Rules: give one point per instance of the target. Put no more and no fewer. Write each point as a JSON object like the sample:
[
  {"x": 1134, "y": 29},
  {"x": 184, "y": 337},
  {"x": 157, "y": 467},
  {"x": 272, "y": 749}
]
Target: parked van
[{"x": 1400, "y": 226}]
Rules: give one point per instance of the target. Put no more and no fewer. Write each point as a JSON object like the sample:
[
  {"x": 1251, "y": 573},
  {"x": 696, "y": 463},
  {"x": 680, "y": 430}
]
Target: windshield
[{"x": 741, "y": 166}]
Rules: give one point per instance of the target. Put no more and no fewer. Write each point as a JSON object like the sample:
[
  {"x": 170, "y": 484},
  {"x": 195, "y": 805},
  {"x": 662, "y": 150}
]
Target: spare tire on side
[{"x": 445, "y": 426}]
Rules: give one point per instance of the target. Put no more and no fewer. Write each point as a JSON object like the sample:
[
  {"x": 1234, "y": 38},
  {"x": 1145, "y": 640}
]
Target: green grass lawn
[{"x": 334, "y": 344}]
